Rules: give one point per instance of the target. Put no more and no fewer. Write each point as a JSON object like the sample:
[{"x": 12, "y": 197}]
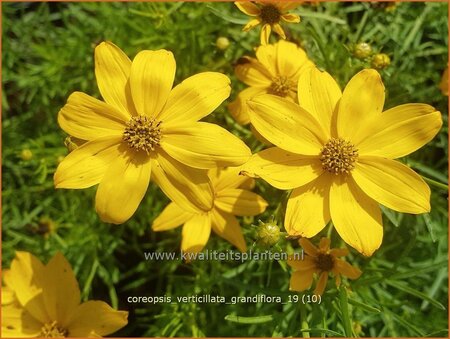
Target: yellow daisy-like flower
[
  {"x": 337, "y": 151},
  {"x": 275, "y": 70},
  {"x": 444, "y": 82},
  {"x": 320, "y": 261},
  {"x": 145, "y": 129},
  {"x": 44, "y": 301},
  {"x": 269, "y": 14},
  {"x": 230, "y": 198}
]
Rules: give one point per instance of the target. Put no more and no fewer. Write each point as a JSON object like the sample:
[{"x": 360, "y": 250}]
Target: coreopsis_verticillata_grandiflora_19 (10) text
[
  {"x": 336, "y": 151},
  {"x": 146, "y": 129},
  {"x": 275, "y": 70},
  {"x": 44, "y": 301},
  {"x": 269, "y": 14},
  {"x": 231, "y": 198},
  {"x": 320, "y": 261}
]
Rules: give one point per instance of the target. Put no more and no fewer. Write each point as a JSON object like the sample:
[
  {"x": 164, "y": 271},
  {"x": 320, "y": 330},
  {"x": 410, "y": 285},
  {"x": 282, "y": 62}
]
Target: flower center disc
[
  {"x": 325, "y": 262},
  {"x": 270, "y": 14},
  {"x": 52, "y": 330},
  {"x": 142, "y": 133},
  {"x": 338, "y": 156},
  {"x": 280, "y": 86}
]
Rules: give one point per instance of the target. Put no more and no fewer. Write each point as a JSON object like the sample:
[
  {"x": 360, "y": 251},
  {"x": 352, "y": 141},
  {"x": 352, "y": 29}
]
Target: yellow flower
[
  {"x": 336, "y": 151},
  {"x": 320, "y": 261},
  {"x": 145, "y": 129},
  {"x": 444, "y": 82},
  {"x": 230, "y": 198},
  {"x": 275, "y": 70},
  {"x": 44, "y": 301},
  {"x": 269, "y": 14}
]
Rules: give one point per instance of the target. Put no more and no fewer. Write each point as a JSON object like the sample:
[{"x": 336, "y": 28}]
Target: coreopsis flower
[
  {"x": 275, "y": 70},
  {"x": 336, "y": 151},
  {"x": 44, "y": 301},
  {"x": 269, "y": 14},
  {"x": 321, "y": 261},
  {"x": 444, "y": 82},
  {"x": 230, "y": 199},
  {"x": 145, "y": 129}
]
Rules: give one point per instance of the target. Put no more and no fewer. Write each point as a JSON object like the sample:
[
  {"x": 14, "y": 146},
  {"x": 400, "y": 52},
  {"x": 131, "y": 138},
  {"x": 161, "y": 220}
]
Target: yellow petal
[
  {"x": 196, "y": 97},
  {"x": 85, "y": 166},
  {"x": 248, "y": 8},
  {"x": 356, "y": 217},
  {"x": 188, "y": 187},
  {"x": 18, "y": 323},
  {"x": 346, "y": 269},
  {"x": 26, "y": 279},
  {"x": 96, "y": 318},
  {"x": 292, "y": 18},
  {"x": 265, "y": 34},
  {"x": 61, "y": 293},
  {"x": 362, "y": 100},
  {"x": 204, "y": 145},
  {"x": 286, "y": 125},
  {"x": 8, "y": 296},
  {"x": 227, "y": 227},
  {"x": 253, "y": 73},
  {"x": 399, "y": 131},
  {"x": 123, "y": 187},
  {"x": 239, "y": 108},
  {"x": 279, "y": 30},
  {"x": 251, "y": 24},
  {"x": 229, "y": 178},
  {"x": 291, "y": 60},
  {"x": 392, "y": 184},
  {"x": 151, "y": 79},
  {"x": 339, "y": 252},
  {"x": 318, "y": 93},
  {"x": 282, "y": 169},
  {"x": 301, "y": 280},
  {"x": 112, "y": 70},
  {"x": 267, "y": 56},
  {"x": 321, "y": 283},
  {"x": 87, "y": 118},
  {"x": 172, "y": 216},
  {"x": 305, "y": 264},
  {"x": 196, "y": 233},
  {"x": 308, "y": 211},
  {"x": 240, "y": 202},
  {"x": 308, "y": 247},
  {"x": 324, "y": 244}
]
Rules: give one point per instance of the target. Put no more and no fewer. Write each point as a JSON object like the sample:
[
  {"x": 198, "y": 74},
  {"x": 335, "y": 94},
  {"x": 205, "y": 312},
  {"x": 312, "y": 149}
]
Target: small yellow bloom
[
  {"x": 321, "y": 261},
  {"x": 336, "y": 151},
  {"x": 231, "y": 197},
  {"x": 269, "y": 14},
  {"x": 380, "y": 61},
  {"x": 44, "y": 301},
  {"x": 444, "y": 82},
  {"x": 275, "y": 70},
  {"x": 145, "y": 129}
]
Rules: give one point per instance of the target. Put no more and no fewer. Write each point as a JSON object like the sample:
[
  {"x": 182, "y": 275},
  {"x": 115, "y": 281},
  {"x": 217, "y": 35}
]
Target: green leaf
[
  {"x": 415, "y": 293},
  {"x": 249, "y": 320}
]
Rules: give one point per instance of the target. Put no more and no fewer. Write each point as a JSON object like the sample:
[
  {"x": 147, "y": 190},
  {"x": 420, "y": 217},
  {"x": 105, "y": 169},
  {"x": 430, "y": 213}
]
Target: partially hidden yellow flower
[
  {"x": 231, "y": 198},
  {"x": 321, "y": 261},
  {"x": 336, "y": 151},
  {"x": 444, "y": 82},
  {"x": 269, "y": 14},
  {"x": 44, "y": 301},
  {"x": 145, "y": 129},
  {"x": 275, "y": 70}
]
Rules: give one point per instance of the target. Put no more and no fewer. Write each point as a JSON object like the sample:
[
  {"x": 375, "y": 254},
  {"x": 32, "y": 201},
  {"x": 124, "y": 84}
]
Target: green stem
[
  {"x": 303, "y": 321},
  {"x": 345, "y": 313},
  {"x": 435, "y": 183}
]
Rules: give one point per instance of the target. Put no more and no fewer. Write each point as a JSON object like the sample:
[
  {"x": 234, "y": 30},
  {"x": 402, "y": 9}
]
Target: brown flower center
[
  {"x": 52, "y": 330},
  {"x": 142, "y": 133},
  {"x": 324, "y": 262},
  {"x": 270, "y": 14},
  {"x": 338, "y": 156},
  {"x": 280, "y": 86}
]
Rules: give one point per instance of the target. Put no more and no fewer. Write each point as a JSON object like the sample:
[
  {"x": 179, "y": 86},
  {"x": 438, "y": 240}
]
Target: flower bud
[
  {"x": 222, "y": 43},
  {"x": 268, "y": 233},
  {"x": 362, "y": 50},
  {"x": 380, "y": 61},
  {"x": 26, "y": 154}
]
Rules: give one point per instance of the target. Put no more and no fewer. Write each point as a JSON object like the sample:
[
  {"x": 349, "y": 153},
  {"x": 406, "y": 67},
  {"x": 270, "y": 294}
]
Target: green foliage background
[{"x": 48, "y": 54}]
